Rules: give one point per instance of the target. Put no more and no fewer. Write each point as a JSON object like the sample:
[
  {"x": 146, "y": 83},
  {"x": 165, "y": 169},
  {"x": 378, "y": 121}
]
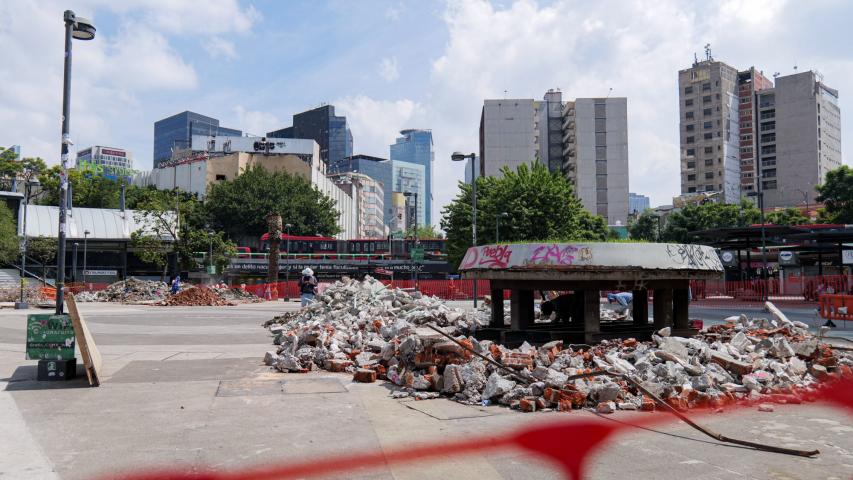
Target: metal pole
[
  {"x": 417, "y": 243},
  {"x": 474, "y": 216},
  {"x": 23, "y": 303},
  {"x": 763, "y": 244},
  {"x": 85, "y": 250},
  {"x": 287, "y": 258},
  {"x": 63, "y": 173}
]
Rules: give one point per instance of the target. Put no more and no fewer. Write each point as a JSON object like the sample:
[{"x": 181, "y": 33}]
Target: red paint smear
[{"x": 568, "y": 444}]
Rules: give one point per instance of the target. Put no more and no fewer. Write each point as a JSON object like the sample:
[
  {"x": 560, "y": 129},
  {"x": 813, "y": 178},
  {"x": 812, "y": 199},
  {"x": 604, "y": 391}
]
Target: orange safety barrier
[
  {"x": 48, "y": 293},
  {"x": 836, "y": 307}
]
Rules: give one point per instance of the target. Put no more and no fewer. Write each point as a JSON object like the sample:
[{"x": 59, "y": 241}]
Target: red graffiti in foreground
[
  {"x": 497, "y": 256},
  {"x": 553, "y": 442}
]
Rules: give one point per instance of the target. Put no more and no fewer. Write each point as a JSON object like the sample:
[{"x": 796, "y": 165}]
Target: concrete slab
[
  {"x": 249, "y": 387},
  {"x": 313, "y": 385},
  {"x": 187, "y": 370},
  {"x": 445, "y": 409}
]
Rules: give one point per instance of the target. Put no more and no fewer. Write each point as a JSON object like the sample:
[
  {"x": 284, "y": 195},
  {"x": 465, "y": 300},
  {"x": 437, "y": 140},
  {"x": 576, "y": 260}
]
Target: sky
[{"x": 389, "y": 65}]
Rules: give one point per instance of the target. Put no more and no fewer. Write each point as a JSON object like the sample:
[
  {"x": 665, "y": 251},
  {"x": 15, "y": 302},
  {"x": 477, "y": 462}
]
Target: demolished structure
[{"x": 375, "y": 332}]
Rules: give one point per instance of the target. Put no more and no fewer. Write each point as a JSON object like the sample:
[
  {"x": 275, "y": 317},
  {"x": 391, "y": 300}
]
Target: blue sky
[{"x": 390, "y": 65}]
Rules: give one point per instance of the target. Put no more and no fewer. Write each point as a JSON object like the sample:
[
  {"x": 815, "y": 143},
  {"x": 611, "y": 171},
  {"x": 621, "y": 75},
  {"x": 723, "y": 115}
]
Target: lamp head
[
  {"x": 458, "y": 156},
  {"x": 83, "y": 29}
]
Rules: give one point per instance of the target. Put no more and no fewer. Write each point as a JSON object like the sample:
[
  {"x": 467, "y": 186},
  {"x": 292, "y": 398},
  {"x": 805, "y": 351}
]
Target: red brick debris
[{"x": 196, "y": 297}]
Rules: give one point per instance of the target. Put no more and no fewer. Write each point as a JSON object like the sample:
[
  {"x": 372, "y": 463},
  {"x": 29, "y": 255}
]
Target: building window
[
  {"x": 769, "y": 173},
  {"x": 769, "y": 185},
  {"x": 691, "y": 152},
  {"x": 768, "y": 126},
  {"x": 768, "y": 162},
  {"x": 688, "y": 115},
  {"x": 709, "y": 175},
  {"x": 709, "y": 149},
  {"x": 707, "y": 112},
  {"x": 600, "y": 140},
  {"x": 601, "y": 153},
  {"x": 691, "y": 165},
  {"x": 220, "y": 178},
  {"x": 688, "y": 90},
  {"x": 706, "y": 99},
  {"x": 709, "y": 136},
  {"x": 708, "y": 125},
  {"x": 690, "y": 127},
  {"x": 599, "y": 110},
  {"x": 706, "y": 87},
  {"x": 768, "y": 150},
  {"x": 691, "y": 178},
  {"x": 688, "y": 102},
  {"x": 709, "y": 188},
  {"x": 691, "y": 189},
  {"x": 690, "y": 140},
  {"x": 768, "y": 137},
  {"x": 709, "y": 162}
]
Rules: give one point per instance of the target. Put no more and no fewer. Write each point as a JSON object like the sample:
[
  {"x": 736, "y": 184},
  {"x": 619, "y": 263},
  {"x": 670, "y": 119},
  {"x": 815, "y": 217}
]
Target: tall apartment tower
[
  {"x": 709, "y": 129},
  {"x": 415, "y": 146},
  {"x": 330, "y": 131},
  {"x": 799, "y": 129},
  {"x": 749, "y": 83},
  {"x": 595, "y": 139}
]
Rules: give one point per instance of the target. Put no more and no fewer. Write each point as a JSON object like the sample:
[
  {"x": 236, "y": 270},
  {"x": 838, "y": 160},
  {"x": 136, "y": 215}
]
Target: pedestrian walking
[{"x": 307, "y": 286}]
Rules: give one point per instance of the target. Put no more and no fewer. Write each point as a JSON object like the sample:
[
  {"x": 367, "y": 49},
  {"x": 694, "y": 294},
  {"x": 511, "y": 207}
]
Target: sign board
[
  {"x": 211, "y": 269},
  {"x": 788, "y": 259},
  {"x": 417, "y": 254},
  {"x": 728, "y": 258},
  {"x": 847, "y": 257},
  {"x": 49, "y": 337},
  {"x": 100, "y": 273},
  {"x": 228, "y": 144}
]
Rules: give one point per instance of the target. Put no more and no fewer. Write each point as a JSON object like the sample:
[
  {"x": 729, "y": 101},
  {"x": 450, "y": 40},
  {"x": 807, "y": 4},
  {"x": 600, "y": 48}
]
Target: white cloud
[
  {"x": 213, "y": 17},
  {"x": 374, "y": 123},
  {"x": 255, "y": 122},
  {"x": 388, "y": 69},
  {"x": 219, "y": 47}
]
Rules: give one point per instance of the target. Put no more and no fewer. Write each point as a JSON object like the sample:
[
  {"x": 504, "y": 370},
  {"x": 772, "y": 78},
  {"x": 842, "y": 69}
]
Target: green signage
[
  {"x": 49, "y": 337},
  {"x": 211, "y": 269},
  {"x": 417, "y": 254}
]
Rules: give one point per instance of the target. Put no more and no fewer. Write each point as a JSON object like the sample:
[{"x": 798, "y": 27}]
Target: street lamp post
[
  {"x": 459, "y": 157},
  {"x": 22, "y": 304},
  {"x": 80, "y": 29},
  {"x": 760, "y": 195},
  {"x": 287, "y": 257},
  {"x": 416, "y": 244},
  {"x": 85, "y": 250},
  {"x": 498, "y": 225}
]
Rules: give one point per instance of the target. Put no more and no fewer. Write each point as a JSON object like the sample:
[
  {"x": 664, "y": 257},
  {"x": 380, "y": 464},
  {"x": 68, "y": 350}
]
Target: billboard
[{"x": 226, "y": 144}]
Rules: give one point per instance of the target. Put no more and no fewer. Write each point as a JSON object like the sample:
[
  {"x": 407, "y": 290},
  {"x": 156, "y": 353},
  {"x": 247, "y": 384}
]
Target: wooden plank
[{"x": 88, "y": 350}]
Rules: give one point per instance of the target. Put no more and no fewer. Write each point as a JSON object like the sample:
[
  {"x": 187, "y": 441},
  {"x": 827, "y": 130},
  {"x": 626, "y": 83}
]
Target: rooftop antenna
[
  {"x": 609, "y": 91},
  {"x": 708, "y": 52},
  {"x": 505, "y": 92},
  {"x": 695, "y": 58},
  {"x": 795, "y": 66}
]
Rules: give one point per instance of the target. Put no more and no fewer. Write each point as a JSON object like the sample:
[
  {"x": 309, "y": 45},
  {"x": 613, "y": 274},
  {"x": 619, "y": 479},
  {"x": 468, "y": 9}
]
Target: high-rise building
[
  {"x": 376, "y": 168},
  {"x": 748, "y": 83},
  {"x": 411, "y": 178},
  {"x": 586, "y": 140},
  {"x": 415, "y": 146},
  {"x": 175, "y": 133},
  {"x": 110, "y": 162},
  {"x": 475, "y": 172},
  {"x": 799, "y": 129},
  {"x": 709, "y": 129},
  {"x": 637, "y": 203},
  {"x": 596, "y": 149},
  {"x": 327, "y": 129},
  {"x": 397, "y": 221},
  {"x": 368, "y": 202}
]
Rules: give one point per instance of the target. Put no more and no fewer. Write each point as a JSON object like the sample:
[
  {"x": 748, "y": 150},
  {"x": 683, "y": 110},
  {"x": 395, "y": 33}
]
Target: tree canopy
[
  {"x": 788, "y": 216},
  {"x": 836, "y": 193},
  {"x": 645, "y": 227},
  {"x": 240, "y": 206},
  {"x": 708, "y": 216},
  {"x": 11, "y": 167},
  {"x": 87, "y": 190},
  {"x": 539, "y": 206},
  {"x": 9, "y": 248}
]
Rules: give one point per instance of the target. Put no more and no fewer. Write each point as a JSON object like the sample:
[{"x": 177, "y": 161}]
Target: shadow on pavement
[{"x": 24, "y": 378}]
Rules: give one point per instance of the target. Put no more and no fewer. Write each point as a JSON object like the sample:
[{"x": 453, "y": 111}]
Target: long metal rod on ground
[{"x": 717, "y": 436}]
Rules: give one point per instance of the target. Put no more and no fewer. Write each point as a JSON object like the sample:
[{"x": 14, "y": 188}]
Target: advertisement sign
[
  {"x": 788, "y": 259},
  {"x": 417, "y": 254},
  {"x": 115, "y": 153},
  {"x": 225, "y": 144},
  {"x": 49, "y": 337},
  {"x": 847, "y": 257},
  {"x": 728, "y": 258},
  {"x": 100, "y": 273}
]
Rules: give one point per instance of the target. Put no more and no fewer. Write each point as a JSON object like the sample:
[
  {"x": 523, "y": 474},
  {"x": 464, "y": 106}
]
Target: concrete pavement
[{"x": 184, "y": 386}]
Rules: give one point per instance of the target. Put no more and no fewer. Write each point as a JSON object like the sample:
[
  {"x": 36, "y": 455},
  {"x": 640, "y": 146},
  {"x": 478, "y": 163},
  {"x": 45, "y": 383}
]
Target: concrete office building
[
  {"x": 175, "y": 133},
  {"x": 415, "y": 146},
  {"x": 749, "y": 82},
  {"x": 398, "y": 215},
  {"x": 585, "y": 140},
  {"x": 110, "y": 162},
  {"x": 595, "y": 139},
  {"x": 368, "y": 201},
  {"x": 321, "y": 124},
  {"x": 377, "y": 168},
  {"x": 411, "y": 178},
  {"x": 799, "y": 130},
  {"x": 637, "y": 203},
  {"x": 709, "y": 129}
]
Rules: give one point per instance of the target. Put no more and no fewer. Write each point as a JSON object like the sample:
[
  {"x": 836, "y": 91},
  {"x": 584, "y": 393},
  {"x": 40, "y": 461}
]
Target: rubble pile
[
  {"x": 237, "y": 295},
  {"x": 376, "y": 333},
  {"x": 130, "y": 290},
  {"x": 32, "y": 294},
  {"x": 196, "y": 297}
]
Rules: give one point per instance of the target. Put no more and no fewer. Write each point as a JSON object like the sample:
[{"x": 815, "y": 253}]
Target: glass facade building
[
  {"x": 411, "y": 178},
  {"x": 327, "y": 129},
  {"x": 637, "y": 203},
  {"x": 415, "y": 146},
  {"x": 176, "y": 132},
  {"x": 376, "y": 168}
]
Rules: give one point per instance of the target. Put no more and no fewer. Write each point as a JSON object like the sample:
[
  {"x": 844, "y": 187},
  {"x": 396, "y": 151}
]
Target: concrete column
[
  {"x": 497, "y": 319},
  {"x": 521, "y": 309},
  {"x": 662, "y": 308},
  {"x": 681, "y": 303},
  {"x": 641, "y": 307},
  {"x": 591, "y": 310}
]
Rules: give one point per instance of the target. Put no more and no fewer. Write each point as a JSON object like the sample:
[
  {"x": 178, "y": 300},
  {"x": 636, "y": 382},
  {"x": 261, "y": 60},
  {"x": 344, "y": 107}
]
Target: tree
[
  {"x": 539, "y": 206},
  {"x": 87, "y": 190},
  {"x": 788, "y": 216},
  {"x": 836, "y": 193},
  {"x": 25, "y": 169},
  {"x": 424, "y": 231},
  {"x": 708, "y": 216},
  {"x": 9, "y": 248},
  {"x": 43, "y": 250},
  {"x": 645, "y": 227},
  {"x": 240, "y": 206},
  {"x": 151, "y": 249}
]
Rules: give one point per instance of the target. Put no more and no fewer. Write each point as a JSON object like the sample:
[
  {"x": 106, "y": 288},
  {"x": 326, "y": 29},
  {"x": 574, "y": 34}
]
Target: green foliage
[
  {"x": 9, "y": 247},
  {"x": 836, "y": 193},
  {"x": 42, "y": 249},
  {"x": 424, "y": 231},
  {"x": 708, "y": 216},
  {"x": 788, "y": 216},
  {"x": 240, "y": 206},
  {"x": 12, "y": 167},
  {"x": 645, "y": 227},
  {"x": 87, "y": 190},
  {"x": 540, "y": 206},
  {"x": 149, "y": 249}
]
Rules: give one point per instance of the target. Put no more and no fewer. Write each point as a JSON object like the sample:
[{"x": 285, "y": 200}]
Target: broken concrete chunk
[{"x": 497, "y": 386}]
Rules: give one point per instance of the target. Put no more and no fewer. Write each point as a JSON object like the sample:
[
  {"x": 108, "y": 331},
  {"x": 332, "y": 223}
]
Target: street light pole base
[{"x": 22, "y": 305}]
